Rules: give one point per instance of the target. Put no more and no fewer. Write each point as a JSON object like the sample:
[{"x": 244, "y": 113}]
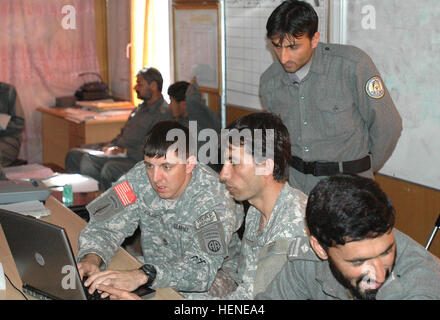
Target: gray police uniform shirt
[
  {"x": 264, "y": 253},
  {"x": 416, "y": 275},
  {"x": 205, "y": 118},
  {"x": 140, "y": 121},
  {"x": 340, "y": 111},
  {"x": 186, "y": 240}
]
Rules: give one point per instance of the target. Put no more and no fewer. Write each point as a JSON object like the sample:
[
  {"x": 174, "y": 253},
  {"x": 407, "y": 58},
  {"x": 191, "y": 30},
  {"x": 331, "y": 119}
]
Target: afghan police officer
[
  {"x": 276, "y": 212},
  {"x": 12, "y": 113},
  {"x": 187, "y": 219},
  {"x": 125, "y": 150},
  {"x": 340, "y": 115},
  {"x": 354, "y": 251}
]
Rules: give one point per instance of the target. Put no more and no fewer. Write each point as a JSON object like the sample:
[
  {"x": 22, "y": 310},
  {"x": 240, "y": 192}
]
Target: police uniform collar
[
  {"x": 318, "y": 55},
  {"x": 328, "y": 282}
]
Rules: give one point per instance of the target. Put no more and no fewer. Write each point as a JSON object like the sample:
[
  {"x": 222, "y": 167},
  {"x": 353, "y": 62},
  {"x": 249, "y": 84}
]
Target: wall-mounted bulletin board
[
  {"x": 196, "y": 44},
  {"x": 248, "y": 54}
]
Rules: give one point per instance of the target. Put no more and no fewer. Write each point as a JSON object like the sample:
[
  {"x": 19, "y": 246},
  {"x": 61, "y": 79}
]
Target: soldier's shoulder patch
[
  {"x": 112, "y": 202},
  {"x": 206, "y": 219},
  {"x": 375, "y": 88},
  {"x": 125, "y": 193},
  {"x": 211, "y": 234}
]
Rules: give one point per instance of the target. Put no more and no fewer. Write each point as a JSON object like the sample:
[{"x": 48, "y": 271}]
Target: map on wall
[{"x": 196, "y": 45}]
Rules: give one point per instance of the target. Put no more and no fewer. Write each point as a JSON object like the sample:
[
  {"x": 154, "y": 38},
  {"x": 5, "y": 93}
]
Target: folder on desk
[{"x": 105, "y": 105}]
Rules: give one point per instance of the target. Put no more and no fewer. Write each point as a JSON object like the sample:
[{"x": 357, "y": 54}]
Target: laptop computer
[{"x": 44, "y": 258}]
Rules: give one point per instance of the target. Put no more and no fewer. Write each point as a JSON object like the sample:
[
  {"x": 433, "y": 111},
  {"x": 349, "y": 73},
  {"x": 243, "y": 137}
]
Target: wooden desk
[
  {"x": 61, "y": 133},
  {"x": 62, "y": 216}
]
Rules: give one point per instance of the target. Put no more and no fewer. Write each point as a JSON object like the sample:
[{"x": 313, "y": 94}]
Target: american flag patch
[{"x": 125, "y": 193}]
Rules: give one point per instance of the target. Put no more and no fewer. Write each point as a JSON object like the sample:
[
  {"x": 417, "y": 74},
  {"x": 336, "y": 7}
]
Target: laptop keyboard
[{"x": 92, "y": 296}]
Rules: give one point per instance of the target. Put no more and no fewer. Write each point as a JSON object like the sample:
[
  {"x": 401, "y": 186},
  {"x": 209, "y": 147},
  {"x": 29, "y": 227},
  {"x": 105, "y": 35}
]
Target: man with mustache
[
  {"x": 340, "y": 115},
  {"x": 125, "y": 150},
  {"x": 356, "y": 253}
]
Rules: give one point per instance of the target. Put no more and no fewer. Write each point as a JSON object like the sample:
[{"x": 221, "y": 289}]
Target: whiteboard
[
  {"x": 248, "y": 53},
  {"x": 405, "y": 46},
  {"x": 196, "y": 44}
]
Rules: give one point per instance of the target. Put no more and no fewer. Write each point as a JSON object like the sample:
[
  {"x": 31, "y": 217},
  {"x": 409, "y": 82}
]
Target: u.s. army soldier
[
  {"x": 276, "y": 212},
  {"x": 188, "y": 221}
]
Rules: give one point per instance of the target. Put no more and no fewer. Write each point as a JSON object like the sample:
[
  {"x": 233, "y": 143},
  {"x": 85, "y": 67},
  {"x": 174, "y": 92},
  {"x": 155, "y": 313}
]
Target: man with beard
[
  {"x": 124, "y": 151},
  {"x": 357, "y": 253}
]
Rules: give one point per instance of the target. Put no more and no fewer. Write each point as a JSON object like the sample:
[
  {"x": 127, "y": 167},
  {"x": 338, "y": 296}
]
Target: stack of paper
[
  {"x": 28, "y": 171},
  {"x": 33, "y": 208},
  {"x": 79, "y": 182},
  {"x": 107, "y": 104}
]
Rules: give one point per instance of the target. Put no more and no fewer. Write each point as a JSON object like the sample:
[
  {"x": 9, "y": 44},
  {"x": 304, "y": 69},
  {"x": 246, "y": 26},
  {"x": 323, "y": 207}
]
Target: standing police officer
[{"x": 340, "y": 116}]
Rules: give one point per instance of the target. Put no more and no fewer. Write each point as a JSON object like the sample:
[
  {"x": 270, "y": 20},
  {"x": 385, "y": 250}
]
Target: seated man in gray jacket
[
  {"x": 190, "y": 109},
  {"x": 125, "y": 150},
  {"x": 356, "y": 253},
  {"x": 12, "y": 115}
]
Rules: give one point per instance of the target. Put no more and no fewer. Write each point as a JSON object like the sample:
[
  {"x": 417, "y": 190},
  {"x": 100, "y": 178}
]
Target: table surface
[{"x": 73, "y": 224}]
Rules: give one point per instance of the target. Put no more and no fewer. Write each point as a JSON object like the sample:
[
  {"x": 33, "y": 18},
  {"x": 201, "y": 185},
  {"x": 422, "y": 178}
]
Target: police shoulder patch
[{"x": 375, "y": 88}]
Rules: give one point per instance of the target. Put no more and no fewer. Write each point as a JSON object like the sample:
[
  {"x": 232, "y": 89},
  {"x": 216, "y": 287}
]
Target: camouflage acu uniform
[
  {"x": 264, "y": 253},
  {"x": 186, "y": 239}
]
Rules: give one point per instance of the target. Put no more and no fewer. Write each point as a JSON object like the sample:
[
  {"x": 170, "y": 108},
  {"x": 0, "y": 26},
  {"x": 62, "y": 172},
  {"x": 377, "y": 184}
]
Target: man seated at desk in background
[
  {"x": 108, "y": 168},
  {"x": 276, "y": 212},
  {"x": 12, "y": 116},
  {"x": 357, "y": 253},
  {"x": 187, "y": 105},
  {"x": 188, "y": 221}
]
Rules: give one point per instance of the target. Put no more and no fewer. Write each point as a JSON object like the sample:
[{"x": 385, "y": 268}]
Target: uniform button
[
  {"x": 305, "y": 122},
  {"x": 306, "y": 149},
  {"x": 302, "y": 97}
]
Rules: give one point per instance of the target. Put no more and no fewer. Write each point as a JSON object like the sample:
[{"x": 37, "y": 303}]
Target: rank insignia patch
[{"x": 375, "y": 88}]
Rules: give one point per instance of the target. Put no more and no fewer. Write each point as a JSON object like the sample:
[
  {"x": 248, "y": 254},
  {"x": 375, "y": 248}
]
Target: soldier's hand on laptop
[
  {"x": 125, "y": 280},
  {"x": 89, "y": 265},
  {"x": 116, "y": 294}
]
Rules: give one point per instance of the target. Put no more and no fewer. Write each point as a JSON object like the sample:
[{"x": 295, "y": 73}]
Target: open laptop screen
[{"x": 43, "y": 256}]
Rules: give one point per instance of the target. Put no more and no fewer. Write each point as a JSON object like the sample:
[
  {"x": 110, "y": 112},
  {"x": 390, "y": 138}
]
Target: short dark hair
[
  {"x": 281, "y": 143},
  {"x": 156, "y": 143},
  {"x": 345, "y": 208},
  {"x": 178, "y": 90},
  {"x": 292, "y": 18},
  {"x": 150, "y": 75}
]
